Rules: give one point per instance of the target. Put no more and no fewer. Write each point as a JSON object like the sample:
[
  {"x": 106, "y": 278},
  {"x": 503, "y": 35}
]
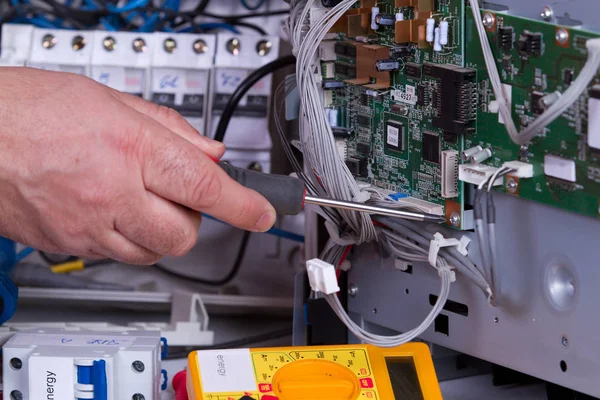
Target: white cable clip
[{"x": 440, "y": 241}]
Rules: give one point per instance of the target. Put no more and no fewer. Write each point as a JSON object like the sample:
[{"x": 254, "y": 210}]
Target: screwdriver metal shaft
[{"x": 348, "y": 205}]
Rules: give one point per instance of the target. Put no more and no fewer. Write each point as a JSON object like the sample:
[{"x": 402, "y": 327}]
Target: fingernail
[
  {"x": 265, "y": 222},
  {"x": 212, "y": 143}
]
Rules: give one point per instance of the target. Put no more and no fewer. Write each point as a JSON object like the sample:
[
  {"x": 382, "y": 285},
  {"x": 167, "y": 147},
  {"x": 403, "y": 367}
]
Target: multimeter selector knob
[{"x": 315, "y": 380}]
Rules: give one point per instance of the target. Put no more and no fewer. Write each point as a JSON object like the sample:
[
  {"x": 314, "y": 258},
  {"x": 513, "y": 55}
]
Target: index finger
[{"x": 176, "y": 170}]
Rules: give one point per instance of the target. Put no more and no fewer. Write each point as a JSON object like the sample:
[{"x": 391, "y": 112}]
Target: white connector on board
[
  {"x": 478, "y": 174},
  {"x": 519, "y": 169},
  {"x": 321, "y": 276}
]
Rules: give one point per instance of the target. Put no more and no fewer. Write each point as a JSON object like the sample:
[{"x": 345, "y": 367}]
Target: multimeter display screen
[{"x": 404, "y": 377}]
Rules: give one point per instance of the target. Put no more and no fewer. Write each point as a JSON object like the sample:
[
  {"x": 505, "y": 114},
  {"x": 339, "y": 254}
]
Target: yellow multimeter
[{"x": 349, "y": 372}]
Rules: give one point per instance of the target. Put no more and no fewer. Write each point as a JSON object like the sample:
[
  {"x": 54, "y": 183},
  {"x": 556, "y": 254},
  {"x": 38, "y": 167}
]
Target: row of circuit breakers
[{"x": 194, "y": 74}]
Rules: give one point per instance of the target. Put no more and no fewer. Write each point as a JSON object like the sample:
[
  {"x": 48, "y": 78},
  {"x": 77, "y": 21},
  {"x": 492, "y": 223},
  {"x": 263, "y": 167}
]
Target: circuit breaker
[{"x": 61, "y": 50}]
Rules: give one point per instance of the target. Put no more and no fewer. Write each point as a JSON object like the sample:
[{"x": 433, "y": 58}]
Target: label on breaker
[
  {"x": 51, "y": 378},
  {"x": 182, "y": 90},
  {"x": 254, "y": 104},
  {"x": 408, "y": 96},
  {"x": 128, "y": 80}
]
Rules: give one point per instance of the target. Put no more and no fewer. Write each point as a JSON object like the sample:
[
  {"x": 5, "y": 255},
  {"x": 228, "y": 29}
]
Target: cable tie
[{"x": 439, "y": 241}]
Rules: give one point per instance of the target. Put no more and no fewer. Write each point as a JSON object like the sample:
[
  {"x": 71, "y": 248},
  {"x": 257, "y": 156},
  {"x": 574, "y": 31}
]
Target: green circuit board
[
  {"x": 407, "y": 135},
  {"x": 529, "y": 78}
]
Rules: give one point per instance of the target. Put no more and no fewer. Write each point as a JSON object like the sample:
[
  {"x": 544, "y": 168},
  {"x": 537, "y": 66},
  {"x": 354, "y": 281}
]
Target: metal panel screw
[
  {"x": 16, "y": 395},
  {"x": 511, "y": 185},
  {"x": 170, "y": 45},
  {"x": 200, "y": 46},
  {"x": 562, "y": 36},
  {"x": 78, "y": 43},
  {"x": 352, "y": 290},
  {"x": 263, "y": 47},
  {"x": 48, "y": 41},
  {"x": 564, "y": 341},
  {"x": 547, "y": 14},
  {"x": 138, "y": 366},
  {"x": 455, "y": 219},
  {"x": 109, "y": 43},
  {"x": 488, "y": 20},
  {"x": 255, "y": 166},
  {"x": 233, "y": 46},
  {"x": 139, "y": 45},
  {"x": 16, "y": 363}
]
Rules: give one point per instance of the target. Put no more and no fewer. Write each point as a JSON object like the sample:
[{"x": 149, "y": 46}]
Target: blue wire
[
  {"x": 23, "y": 253},
  {"x": 252, "y": 8},
  {"x": 130, "y": 6},
  {"x": 273, "y": 231}
]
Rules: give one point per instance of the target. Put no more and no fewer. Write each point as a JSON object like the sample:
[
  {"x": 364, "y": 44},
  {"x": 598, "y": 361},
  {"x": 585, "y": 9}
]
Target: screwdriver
[{"x": 288, "y": 195}]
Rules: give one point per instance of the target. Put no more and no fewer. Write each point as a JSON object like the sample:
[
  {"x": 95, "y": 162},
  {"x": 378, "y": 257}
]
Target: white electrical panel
[
  {"x": 61, "y": 364},
  {"x": 236, "y": 57},
  {"x": 181, "y": 65},
  {"x": 61, "y": 50},
  {"x": 122, "y": 60}
]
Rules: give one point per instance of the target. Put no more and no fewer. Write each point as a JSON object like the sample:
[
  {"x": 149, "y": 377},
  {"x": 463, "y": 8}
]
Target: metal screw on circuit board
[
  {"x": 170, "y": 45},
  {"x": 139, "y": 45},
  {"x": 562, "y": 36},
  {"x": 455, "y": 219},
  {"x": 352, "y": 290},
  {"x": 138, "y": 366},
  {"x": 511, "y": 185},
  {"x": 263, "y": 47},
  {"x": 547, "y": 14},
  {"x": 200, "y": 46},
  {"x": 488, "y": 20},
  {"x": 109, "y": 43},
  {"x": 48, "y": 41}
]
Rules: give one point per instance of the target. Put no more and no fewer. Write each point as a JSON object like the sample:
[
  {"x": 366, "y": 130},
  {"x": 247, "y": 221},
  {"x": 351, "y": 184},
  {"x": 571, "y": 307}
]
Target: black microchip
[
  {"x": 421, "y": 95},
  {"x": 506, "y": 38},
  {"x": 340, "y": 48},
  {"x": 431, "y": 147},
  {"x": 341, "y": 133},
  {"x": 413, "y": 70},
  {"x": 364, "y": 99},
  {"x": 363, "y": 148},
  {"x": 568, "y": 76},
  {"x": 358, "y": 166},
  {"x": 363, "y": 120},
  {"x": 537, "y": 107},
  {"x": 341, "y": 68},
  {"x": 530, "y": 44},
  {"x": 394, "y": 136},
  {"x": 351, "y": 50},
  {"x": 507, "y": 64},
  {"x": 450, "y": 137},
  {"x": 351, "y": 71}
]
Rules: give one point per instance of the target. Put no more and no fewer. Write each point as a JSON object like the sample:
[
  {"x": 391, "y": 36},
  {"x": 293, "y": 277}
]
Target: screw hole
[
  {"x": 374, "y": 311},
  {"x": 406, "y": 291},
  {"x": 496, "y": 320},
  {"x": 16, "y": 395},
  {"x": 138, "y": 396},
  {"x": 16, "y": 363},
  {"x": 563, "y": 366}
]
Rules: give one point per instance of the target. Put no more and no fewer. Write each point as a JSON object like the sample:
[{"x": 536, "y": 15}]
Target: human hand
[{"x": 89, "y": 171}]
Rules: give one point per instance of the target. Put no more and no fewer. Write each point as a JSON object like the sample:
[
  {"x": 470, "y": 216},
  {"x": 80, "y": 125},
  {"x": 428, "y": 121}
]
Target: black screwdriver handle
[{"x": 285, "y": 193}]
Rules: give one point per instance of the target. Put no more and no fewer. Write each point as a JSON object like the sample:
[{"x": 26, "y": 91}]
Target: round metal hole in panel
[{"x": 560, "y": 284}]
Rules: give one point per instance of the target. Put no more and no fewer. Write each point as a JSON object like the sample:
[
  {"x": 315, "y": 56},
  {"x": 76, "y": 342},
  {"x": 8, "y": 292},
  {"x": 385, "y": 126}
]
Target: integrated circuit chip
[
  {"x": 363, "y": 120},
  {"x": 431, "y": 147},
  {"x": 394, "y": 136}
]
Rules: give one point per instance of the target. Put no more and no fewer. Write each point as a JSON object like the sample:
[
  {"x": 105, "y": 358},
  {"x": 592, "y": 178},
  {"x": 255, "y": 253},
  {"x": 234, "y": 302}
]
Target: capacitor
[
  {"x": 332, "y": 114},
  {"x": 374, "y": 13},
  {"x": 362, "y": 39},
  {"x": 550, "y": 99},
  {"x": 430, "y": 28},
  {"x": 399, "y": 16},
  {"x": 436, "y": 42},
  {"x": 466, "y": 155},
  {"x": 480, "y": 156},
  {"x": 385, "y": 19},
  {"x": 330, "y": 85},
  {"x": 372, "y": 93},
  {"x": 387, "y": 65},
  {"x": 444, "y": 28}
]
